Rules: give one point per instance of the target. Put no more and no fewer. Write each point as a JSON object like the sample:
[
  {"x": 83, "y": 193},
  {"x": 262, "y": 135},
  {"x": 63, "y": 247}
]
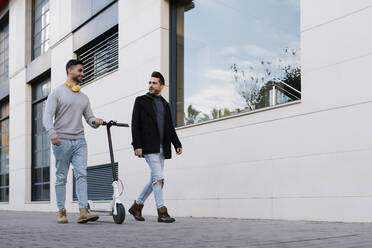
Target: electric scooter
[{"x": 117, "y": 208}]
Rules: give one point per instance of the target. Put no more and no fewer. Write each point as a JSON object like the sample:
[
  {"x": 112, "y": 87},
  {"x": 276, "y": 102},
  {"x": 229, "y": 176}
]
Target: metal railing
[{"x": 278, "y": 85}]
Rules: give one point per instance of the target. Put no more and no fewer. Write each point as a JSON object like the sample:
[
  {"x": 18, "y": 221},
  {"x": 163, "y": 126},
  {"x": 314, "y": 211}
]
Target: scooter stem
[{"x": 114, "y": 176}]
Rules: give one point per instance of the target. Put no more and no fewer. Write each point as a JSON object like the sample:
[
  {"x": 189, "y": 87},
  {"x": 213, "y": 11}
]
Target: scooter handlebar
[
  {"x": 122, "y": 124},
  {"x": 114, "y": 123}
]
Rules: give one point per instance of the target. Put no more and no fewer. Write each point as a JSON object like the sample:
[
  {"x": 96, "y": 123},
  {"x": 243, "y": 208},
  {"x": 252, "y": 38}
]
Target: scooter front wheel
[{"x": 120, "y": 216}]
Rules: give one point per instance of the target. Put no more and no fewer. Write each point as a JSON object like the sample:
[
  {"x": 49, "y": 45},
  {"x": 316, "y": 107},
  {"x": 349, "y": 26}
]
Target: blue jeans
[
  {"x": 75, "y": 152},
  {"x": 156, "y": 164}
]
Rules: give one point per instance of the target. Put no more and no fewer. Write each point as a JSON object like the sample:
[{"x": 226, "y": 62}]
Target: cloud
[
  {"x": 248, "y": 63},
  {"x": 227, "y": 76},
  {"x": 295, "y": 3},
  {"x": 246, "y": 50},
  {"x": 257, "y": 51},
  {"x": 216, "y": 96},
  {"x": 223, "y": 75}
]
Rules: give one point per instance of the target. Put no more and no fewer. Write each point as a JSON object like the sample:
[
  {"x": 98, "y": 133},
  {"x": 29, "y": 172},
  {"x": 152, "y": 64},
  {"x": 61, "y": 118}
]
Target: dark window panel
[
  {"x": 46, "y": 174},
  {"x": 2, "y": 195},
  {"x": 40, "y": 143},
  {"x": 36, "y": 192},
  {"x": 41, "y": 21},
  {"x": 6, "y": 194},
  {"x": 46, "y": 189},
  {"x": 4, "y": 68},
  {"x": 4, "y": 153}
]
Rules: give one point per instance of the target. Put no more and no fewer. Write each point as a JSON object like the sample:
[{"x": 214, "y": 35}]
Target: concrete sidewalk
[{"x": 26, "y": 229}]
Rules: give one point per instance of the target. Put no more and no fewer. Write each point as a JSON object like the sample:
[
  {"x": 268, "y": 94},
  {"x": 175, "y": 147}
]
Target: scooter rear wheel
[{"x": 119, "y": 218}]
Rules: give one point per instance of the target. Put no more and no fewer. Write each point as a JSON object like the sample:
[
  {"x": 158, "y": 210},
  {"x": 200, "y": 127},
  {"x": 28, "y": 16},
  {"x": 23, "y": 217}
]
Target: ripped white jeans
[{"x": 156, "y": 164}]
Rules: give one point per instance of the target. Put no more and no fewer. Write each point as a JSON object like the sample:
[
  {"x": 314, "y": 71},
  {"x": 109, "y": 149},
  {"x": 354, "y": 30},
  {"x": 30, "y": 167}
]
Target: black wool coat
[{"x": 145, "y": 132}]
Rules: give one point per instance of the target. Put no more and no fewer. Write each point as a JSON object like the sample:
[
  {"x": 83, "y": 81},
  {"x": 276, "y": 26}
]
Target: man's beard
[
  {"x": 154, "y": 92},
  {"x": 77, "y": 80}
]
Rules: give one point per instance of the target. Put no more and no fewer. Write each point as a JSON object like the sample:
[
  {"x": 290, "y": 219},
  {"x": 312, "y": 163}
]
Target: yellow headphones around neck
[{"x": 75, "y": 88}]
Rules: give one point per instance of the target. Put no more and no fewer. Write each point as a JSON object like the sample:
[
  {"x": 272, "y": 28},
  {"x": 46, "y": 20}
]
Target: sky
[{"x": 220, "y": 33}]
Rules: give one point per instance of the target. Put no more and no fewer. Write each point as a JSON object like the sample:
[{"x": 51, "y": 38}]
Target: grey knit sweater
[{"x": 67, "y": 108}]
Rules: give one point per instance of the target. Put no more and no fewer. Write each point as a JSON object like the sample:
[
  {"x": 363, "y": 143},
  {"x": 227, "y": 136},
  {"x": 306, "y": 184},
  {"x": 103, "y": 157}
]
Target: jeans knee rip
[{"x": 159, "y": 181}]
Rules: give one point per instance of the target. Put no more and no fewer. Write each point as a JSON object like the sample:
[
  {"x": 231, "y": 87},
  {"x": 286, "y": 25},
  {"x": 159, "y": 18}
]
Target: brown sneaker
[
  {"x": 62, "y": 219},
  {"x": 85, "y": 216},
  {"x": 163, "y": 215},
  {"x": 136, "y": 211}
]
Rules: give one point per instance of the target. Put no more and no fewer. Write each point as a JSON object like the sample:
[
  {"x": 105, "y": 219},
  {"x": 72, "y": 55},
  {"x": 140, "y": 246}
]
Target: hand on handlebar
[{"x": 98, "y": 122}]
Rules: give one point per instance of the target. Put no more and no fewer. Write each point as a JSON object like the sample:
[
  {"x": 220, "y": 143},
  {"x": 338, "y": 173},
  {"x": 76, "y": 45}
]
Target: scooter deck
[{"x": 102, "y": 211}]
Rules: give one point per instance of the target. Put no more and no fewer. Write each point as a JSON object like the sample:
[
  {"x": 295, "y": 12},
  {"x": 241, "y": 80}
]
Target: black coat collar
[{"x": 148, "y": 95}]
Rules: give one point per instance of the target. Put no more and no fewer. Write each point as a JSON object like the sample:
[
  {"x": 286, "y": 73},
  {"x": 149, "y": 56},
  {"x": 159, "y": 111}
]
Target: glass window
[
  {"x": 4, "y": 39},
  {"x": 100, "y": 57},
  {"x": 41, "y": 21},
  {"x": 4, "y": 152},
  {"x": 40, "y": 143},
  {"x": 233, "y": 56}
]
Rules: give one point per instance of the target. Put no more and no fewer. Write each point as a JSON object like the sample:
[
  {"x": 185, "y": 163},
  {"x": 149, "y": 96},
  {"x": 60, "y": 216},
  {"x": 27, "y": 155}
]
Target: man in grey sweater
[{"x": 67, "y": 105}]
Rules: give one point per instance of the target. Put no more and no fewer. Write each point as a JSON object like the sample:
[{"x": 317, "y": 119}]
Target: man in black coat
[{"x": 152, "y": 134}]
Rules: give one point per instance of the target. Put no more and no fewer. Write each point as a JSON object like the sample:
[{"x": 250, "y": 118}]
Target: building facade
[{"x": 270, "y": 100}]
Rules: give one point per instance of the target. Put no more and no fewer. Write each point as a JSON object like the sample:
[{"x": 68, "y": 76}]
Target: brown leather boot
[
  {"x": 85, "y": 216},
  {"x": 163, "y": 215},
  {"x": 136, "y": 211},
  {"x": 62, "y": 218}
]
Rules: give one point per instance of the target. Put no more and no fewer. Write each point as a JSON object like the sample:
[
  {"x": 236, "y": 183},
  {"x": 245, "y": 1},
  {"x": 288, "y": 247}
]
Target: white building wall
[
  {"x": 309, "y": 160},
  {"x": 19, "y": 102}
]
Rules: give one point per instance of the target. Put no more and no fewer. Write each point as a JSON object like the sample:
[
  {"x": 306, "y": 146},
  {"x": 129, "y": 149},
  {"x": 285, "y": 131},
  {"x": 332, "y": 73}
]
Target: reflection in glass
[
  {"x": 4, "y": 65},
  {"x": 41, "y": 21},
  {"x": 235, "y": 56},
  {"x": 4, "y": 152},
  {"x": 40, "y": 143}
]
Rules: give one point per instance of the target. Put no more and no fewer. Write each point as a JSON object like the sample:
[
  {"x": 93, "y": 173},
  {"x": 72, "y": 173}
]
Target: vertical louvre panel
[
  {"x": 99, "y": 182},
  {"x": 100, "y": 58}
]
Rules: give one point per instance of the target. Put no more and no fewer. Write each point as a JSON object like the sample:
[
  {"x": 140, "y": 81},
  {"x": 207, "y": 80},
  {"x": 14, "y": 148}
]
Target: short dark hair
[
  {"x": 72, "y": 62},
  {"x": 157, "y": 74}
]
